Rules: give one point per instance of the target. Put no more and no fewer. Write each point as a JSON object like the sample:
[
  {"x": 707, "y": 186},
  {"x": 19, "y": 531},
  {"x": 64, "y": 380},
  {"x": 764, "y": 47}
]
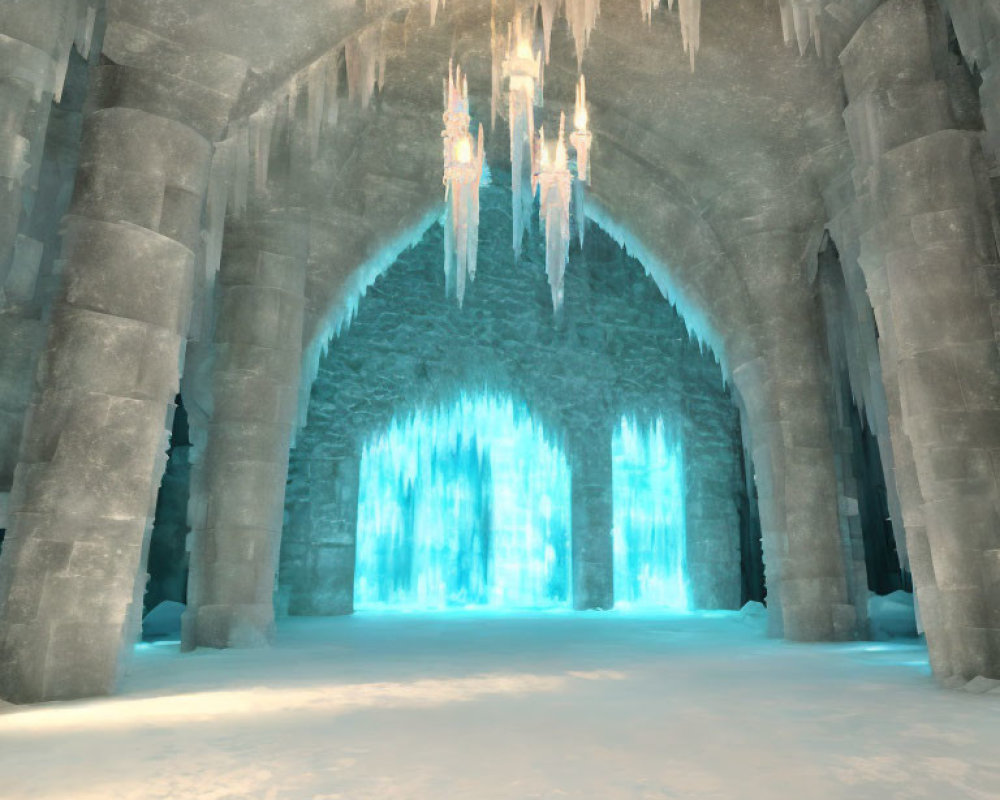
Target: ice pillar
[
  {"x": 94, "y": 443},
  {"x": 236, "y": 530},
  {"x": 929, "y": 257}
]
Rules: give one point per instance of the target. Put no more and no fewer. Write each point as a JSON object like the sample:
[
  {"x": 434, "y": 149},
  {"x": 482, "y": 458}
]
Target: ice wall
[
  {"x": 465, "y": 506},
  {"x": 650, "y": 542}
]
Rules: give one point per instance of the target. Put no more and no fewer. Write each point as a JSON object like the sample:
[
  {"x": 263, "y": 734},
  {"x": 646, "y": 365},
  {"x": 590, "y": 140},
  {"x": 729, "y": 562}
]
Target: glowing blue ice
[
  {"x": 650, "y": 544},
  {"x": 466, "y": 506}
]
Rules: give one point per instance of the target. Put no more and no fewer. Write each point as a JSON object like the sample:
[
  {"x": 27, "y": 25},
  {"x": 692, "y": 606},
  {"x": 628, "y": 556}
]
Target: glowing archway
[{"x": 466, "y": 506}]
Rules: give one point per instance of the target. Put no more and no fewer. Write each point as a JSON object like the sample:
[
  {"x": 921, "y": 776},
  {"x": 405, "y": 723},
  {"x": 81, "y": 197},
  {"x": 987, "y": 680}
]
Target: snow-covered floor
[{"x": 540, "y": 706}]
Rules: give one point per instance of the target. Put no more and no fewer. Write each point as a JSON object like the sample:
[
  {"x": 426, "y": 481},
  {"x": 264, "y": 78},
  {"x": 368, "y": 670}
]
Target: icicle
[
  {"x": 463, "y": 168},
  {"x": 382, "y": 57},
  {"x": 332, "y": 103},
  {"x": 523, "y": 67},
  {"x": 362, "y": 54},
  {"x": 581, "y": 139},
  {"x": 316, "y": 96},
  {"x": 240, "y": 184},
  {"x": 549, "y": 9},
  {"x": 787, "y": 21},
  {"x": 690, "y": 13},
  {"x": 219, "y": 187},
  {"x": 646, "y": 8},
  {"x": 261, "y": 125},
  {"x": 498, "y": 48},
  {"x": 87, "y": 16},
  {"x": 434, "y": 9},
  {"x": 582, "y": 17},
  {"x": 554, "y": 183}
]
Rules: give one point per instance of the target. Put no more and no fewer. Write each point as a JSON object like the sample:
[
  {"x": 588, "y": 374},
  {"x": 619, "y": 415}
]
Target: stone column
[
  {"x": 94, "y": 443},
  {"x": 255, "y": 384},
  {"x": 318, "y": 546},
  {"x": 785, "y": 396},
  {"x": 930, "y": 257},
  {"x": 711, "y": 484},
  {"x": 589, "y": 454},
  {"x": 35, "y": 43}
]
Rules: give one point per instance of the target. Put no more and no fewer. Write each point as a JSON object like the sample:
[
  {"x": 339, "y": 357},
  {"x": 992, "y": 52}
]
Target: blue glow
[
  {"x": 464, "y": 507},
  {"x": 650, "y": 541}
]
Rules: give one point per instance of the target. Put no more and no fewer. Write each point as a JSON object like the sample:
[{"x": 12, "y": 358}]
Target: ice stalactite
[
  {"x": 86, "y": 18},
  {"x": 365, "y": 57},
  {"x": 800, "y": 23},
  {"x": 549, "y": 9},
  {"x": 581, "y": 139},
  {"x": 316, "y": 97},
  {"x": 331, "y": 103},
  {"x": 260, "y": 129},
  {"x": 463, "y": 169},
  {"x": 498, "y": 50},
  {"x": 554, "y": 183},
  {"x": 690, "y": 14},
  {"x": 522, "y": 67},
  {"x": 239, "y": 186},
  {"x": 435, "y": 4},
  {"x": 582, "y": 17},
  {"x": 646, "y": 8}
]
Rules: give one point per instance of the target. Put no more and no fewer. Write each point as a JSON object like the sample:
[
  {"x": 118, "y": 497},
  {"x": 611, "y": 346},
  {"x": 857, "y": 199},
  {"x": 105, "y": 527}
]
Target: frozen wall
[{"x": 618, "y": 348}]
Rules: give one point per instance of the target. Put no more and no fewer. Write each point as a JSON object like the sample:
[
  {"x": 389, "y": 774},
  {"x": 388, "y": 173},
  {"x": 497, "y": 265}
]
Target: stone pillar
[
  {"x": 318, "y": 546},
  {"x": 589, "y": 455},
  {"x": 35, "y": 43},
  {"x": 94, "y": 443},
  {"x": 929, "y": 256},
  {"x": 712, "y": 480},
  {"x": 255, "y": 384},
  {"x": 785, "y": 397}
]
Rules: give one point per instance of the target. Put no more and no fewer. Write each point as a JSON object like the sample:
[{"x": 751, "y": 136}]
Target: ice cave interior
[{"x": 499, "y": 399}]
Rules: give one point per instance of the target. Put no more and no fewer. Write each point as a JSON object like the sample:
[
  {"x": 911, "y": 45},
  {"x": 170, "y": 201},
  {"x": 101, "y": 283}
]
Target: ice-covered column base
[
  {"x": 255, "y": 384},
  {"x": 930, "y": 257},
  {"x": 592, "y": 518},
  {"x": 318, "y": 545}
]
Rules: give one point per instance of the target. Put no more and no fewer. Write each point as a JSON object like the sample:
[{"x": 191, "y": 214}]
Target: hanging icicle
[
  {"x": 86, "y": 17},
  {"x": 498, "y": 50},
  {"x": 646, "y": 8},
  {"x": 365, "y": 64},
  {"x": 261, "y": 127},
  {"x": 582, "y": 17},
  {"x": 800, "y": 24},
  {"x": 554, "y": 181},
  {"x": 522, "y": 67},
  {"x": 690, "y": 13},
  {"x": 581, "y": 139},
  {"x": 434, "y": 9},
  {"x": 549, "y": 9},
  {"x": 463, "y": 169}
]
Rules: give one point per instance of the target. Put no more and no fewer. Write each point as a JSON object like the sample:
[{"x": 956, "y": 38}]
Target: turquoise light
[
  {"x": 650, "y": 543},
  {"x": 463, "y": 507}
]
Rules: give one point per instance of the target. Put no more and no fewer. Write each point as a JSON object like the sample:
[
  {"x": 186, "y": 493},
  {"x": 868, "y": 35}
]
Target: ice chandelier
[{"x": 463, "y": 168}]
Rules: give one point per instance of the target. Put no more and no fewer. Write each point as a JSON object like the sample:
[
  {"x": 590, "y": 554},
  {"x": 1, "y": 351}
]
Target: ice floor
[{"x": 544, "y": 706}]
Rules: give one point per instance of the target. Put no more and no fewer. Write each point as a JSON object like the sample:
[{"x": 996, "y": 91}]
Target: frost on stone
[{"x": 554, "y": 184}]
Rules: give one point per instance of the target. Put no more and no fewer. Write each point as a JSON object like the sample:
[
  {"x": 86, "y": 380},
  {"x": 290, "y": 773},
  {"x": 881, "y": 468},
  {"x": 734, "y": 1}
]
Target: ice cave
[{"x": 499, "y": 399}]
